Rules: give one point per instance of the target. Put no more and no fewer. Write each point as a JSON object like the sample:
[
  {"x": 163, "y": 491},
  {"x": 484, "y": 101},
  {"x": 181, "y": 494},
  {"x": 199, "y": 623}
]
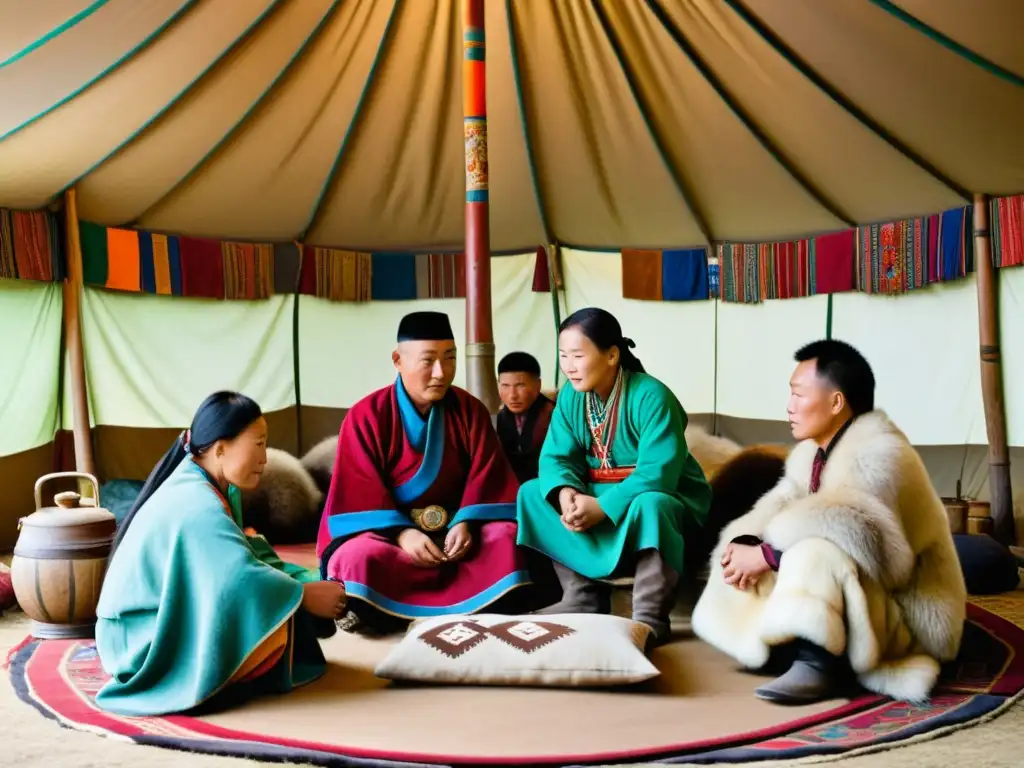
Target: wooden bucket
[{"x": 60, "y": 560}]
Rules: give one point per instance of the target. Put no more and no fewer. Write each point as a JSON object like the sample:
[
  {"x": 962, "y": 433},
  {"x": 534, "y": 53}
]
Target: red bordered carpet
[{"x": 700, "y": 711}]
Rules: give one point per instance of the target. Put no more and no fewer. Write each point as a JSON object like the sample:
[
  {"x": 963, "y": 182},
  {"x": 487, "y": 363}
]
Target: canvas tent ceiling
[{"x": 611, "y": 124}]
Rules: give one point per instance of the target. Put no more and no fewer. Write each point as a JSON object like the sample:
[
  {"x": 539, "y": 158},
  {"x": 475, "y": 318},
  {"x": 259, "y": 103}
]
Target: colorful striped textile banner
[
  {"x": 403, "y": 276},
  {"x": 1006, "y": 220},
  {"x": 168, "y": 265},
  {"x": 902, "y": 256},
  {"x": 31, "y": 246},
  {"x": 445, "y": 275},
  {"x": 248, "y": 270},
  {"x": 750, "y": 272},
  {"x": 754, "y": 272},
  {"x": 665, "y": 275},
  {"x": 336, "y": 275},
  {"x": 891, "y": 258},
  {"x": 146, "y": 262}
]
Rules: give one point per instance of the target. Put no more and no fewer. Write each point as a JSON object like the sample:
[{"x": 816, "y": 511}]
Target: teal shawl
[{"x": 188, "y": 597}]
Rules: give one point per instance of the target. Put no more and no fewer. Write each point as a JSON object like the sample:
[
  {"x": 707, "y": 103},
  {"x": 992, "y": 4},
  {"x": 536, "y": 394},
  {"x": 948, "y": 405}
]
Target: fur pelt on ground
[
  {"x": 738, "y": 485},
  {"x": 319, "y": 462},
  {"x": 869, "y": 569},
  {"x": 285, "y": 507},
  {"x": 710, "y": 451}
]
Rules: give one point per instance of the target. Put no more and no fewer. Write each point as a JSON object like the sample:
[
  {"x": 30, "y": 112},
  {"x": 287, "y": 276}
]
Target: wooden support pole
[
  {"x": 72, "y": 290},
  {"x": 480, "y": 370},
  {"x": 300, "y": 447},
  {"x": 554, "y": 255},
  {"x": 1001, "y": 503}
]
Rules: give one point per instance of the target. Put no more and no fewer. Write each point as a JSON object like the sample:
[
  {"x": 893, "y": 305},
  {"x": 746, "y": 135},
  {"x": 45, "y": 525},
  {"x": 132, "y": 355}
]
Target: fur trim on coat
[{"x": 877, "y": 533}]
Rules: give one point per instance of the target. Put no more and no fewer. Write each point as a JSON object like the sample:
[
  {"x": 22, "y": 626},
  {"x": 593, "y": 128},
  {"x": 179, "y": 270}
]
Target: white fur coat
[{"x": 868, "y": 569}]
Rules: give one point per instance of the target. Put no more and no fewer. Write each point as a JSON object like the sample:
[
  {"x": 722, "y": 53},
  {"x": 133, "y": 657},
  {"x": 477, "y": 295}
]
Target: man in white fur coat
[{"x": 846, "y": 569}]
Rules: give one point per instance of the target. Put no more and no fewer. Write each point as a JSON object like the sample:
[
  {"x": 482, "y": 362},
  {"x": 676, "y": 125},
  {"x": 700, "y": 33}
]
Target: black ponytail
[
  {"x": 627, "y": 359},
  {"x": 601, "y": 327},
  {"x": 221, "y": 416}
]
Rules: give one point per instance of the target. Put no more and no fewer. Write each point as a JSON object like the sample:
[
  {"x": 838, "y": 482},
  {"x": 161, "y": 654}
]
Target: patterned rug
[{"x": 60, "y": 680}]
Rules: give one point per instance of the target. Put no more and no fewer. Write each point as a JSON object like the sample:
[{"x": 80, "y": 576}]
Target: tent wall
[
  {"x": 29, "y": 363},
  {"x": 30, "y": 314},
  {"x": 151, "y": 359},
  {"x": 344, "y": 349}
]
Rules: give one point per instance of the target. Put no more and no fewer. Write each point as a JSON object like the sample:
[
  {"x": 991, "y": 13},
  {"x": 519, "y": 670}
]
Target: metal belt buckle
[{"x": 430, "y": 519}]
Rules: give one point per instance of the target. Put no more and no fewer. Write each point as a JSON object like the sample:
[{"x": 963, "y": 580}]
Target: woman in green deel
[{"x": 617, "y": 487}]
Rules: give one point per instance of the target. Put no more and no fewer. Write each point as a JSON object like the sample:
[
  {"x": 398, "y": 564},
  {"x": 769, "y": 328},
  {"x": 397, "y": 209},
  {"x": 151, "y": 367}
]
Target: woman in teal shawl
[
  {"x": 617, "y": 490},
  {"x": 193, "y": 611}
]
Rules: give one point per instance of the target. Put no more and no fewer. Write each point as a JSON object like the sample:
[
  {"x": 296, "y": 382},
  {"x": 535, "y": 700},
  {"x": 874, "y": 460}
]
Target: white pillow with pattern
[{"x": 559, "y": 650}]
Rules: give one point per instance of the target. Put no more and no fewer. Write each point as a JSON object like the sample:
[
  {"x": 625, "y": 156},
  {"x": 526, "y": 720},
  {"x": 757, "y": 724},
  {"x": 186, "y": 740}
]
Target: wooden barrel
[
  {"x": 979, "y": 518},
  {"x": 60, "y": 560},
  {"x": 956, "y": 512},
  {"x": 979, "y": 509}
]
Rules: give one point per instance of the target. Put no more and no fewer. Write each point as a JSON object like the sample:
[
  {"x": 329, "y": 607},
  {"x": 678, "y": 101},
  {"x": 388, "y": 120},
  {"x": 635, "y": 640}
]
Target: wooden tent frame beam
[{"x": 72, "y": 322}]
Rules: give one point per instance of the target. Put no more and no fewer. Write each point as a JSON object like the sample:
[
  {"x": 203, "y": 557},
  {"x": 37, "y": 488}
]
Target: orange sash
[{"x": 264, "y": 656}]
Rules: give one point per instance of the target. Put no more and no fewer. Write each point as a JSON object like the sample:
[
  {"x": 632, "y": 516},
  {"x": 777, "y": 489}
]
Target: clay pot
[{"x": 60, "y": 560}]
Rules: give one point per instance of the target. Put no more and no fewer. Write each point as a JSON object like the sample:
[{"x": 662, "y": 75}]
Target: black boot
[
  {"x": 654, "y": 594},
  {"x": 579, "y": 594},
  {"x": 815, "y": 675}
]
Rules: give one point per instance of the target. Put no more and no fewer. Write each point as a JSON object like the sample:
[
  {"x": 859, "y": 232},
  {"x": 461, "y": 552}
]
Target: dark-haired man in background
[
  {"x": 845, "y": 570},
  {"x": 525, "y": 413}
]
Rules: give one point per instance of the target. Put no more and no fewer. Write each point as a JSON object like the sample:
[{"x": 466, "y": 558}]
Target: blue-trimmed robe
[{"x": 392, "y": 460}]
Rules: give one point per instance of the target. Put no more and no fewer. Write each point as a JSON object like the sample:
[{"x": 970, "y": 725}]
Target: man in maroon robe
[
  {"x": 420, "y": 517},
  {"x": 525, "y": 414}
]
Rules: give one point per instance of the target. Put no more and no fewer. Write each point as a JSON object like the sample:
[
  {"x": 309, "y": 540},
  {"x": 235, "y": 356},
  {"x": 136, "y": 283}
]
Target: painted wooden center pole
[
  {"x": 1000, "y": 493},
  {"x": 72, "y": 292},
  {"x": 480, "y": 369}
]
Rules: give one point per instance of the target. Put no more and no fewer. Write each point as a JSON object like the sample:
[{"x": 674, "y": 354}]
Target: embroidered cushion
[{"x": 563, "y": 650}]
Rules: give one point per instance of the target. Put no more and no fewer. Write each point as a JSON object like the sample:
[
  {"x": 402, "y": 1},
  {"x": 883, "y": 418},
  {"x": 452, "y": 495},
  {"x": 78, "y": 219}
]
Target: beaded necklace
[{"x": 602, "y": 419}]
